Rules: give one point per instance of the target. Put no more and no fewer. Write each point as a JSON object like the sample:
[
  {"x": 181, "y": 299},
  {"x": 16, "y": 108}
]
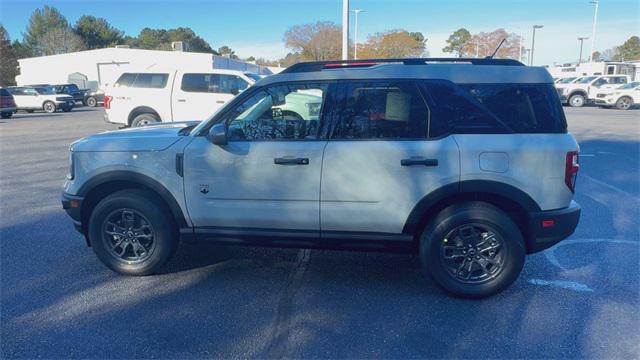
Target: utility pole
[
  {"x": 355, "y": 34},
  {"x": 520, "y": 47},
  {"x": 345, "y": 29},
  {"x": 581, "y": 39},
  {"x": 533, "y": 43},
  {"x": 593, "y": 31}
]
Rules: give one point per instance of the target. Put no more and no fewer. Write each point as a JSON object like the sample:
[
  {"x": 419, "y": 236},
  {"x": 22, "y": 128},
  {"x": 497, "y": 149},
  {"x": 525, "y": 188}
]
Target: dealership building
[{"x": 93, "y": 69}]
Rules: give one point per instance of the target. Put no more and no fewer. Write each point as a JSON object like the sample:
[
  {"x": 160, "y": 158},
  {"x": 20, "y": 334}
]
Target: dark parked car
[
  {"x": 7, "y": 104},
  {"x": 94, "y": 98},
  {"x": 71, "y": 89}
]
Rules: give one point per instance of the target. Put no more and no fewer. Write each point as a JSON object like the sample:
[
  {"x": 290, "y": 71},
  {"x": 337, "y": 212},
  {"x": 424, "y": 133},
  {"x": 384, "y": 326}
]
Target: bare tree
[
  {"x": 484, "y": 44},
  {"x": 60, "y": 41},
  {"x": 319, "y": 41},
  {"x": 397, "y": 43}
]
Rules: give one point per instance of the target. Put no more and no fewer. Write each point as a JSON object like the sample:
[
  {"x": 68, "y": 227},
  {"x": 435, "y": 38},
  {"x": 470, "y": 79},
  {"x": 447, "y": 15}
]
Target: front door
[
  {"x": 268, "y": 175},
  {"x": 379, "y": 162},
  {"x": 198, "y": 95}
]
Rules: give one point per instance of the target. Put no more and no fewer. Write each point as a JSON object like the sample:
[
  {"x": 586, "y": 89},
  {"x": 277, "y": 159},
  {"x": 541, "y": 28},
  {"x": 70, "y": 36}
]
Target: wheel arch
[
  {"x": 513, "y": 201},
  {"x": 142, "y": 110},
  {"x": 577, "y": 92},
  {"x": 107, "y": 183}
]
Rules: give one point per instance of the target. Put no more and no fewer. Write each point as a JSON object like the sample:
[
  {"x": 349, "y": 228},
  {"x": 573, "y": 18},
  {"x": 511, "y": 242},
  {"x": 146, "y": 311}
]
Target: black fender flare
[
  {"x": 428, "y": 203},
  {"x": 131, "y": 177}
]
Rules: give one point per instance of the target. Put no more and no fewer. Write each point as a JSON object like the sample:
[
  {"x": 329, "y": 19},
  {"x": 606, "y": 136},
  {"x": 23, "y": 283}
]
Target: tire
[
  {"x": 67, "y": 108},
  {"x": 624, "y": 103},
  {"x": 91, "y": 101},
  {"x": 149, "y": 241},
  {"x": 6, "y": 115},
  {"x": 445, "y": 250},
  {"x": 144, "y": 120},
  {"x": 29, "y": 111},
  {"x": 577, "y": 100},
  {"x": 49, "y": 107}
]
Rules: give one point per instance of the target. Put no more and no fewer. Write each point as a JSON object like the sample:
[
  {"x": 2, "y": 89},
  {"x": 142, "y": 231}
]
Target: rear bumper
[
  {"x": 73, "y": 206},
  {"x": 8, "y": 109},
  {"x": 548, "y": 228}
]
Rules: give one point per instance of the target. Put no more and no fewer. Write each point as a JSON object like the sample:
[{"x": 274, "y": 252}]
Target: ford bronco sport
[{"x": 465, "y": 162}]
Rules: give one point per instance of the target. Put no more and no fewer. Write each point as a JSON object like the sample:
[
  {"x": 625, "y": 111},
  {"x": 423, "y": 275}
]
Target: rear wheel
[
  {"x": 6, "y": 115},
  {"x": 49, "y": 107},
  {"x": 144, "y": 120},
  {"x": 91, "y": 101},
  {"x": 132, "y": 233},
  {"x": 624, "y": 103},
  {"x": 577, "y": 100},
  {"x": 472, "y": 250}
]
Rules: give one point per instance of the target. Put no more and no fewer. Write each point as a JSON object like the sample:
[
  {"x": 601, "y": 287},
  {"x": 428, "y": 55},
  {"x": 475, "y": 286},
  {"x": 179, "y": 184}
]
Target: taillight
[
  {"x": 571, "y": 170},
  {"x": 107, "y": 101}
]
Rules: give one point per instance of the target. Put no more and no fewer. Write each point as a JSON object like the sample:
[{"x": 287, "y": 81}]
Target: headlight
[{"x": 72, "y": 172}]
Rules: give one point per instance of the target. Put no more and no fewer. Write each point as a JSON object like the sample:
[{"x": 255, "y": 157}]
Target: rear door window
[
  {"x": 381, "y": 110},
  {"x": 157, "y": 81},
  {"x": 213, "y": 83},
  {"x": 494, "y": 108},
  {"x": 125, "y": 80}
]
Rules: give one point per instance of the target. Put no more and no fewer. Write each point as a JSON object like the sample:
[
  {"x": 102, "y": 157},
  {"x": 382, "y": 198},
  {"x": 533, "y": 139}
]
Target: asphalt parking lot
[{"x": 579, "y": 299}]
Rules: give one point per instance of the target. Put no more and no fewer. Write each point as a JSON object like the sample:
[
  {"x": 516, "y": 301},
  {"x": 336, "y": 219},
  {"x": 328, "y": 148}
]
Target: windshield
[
  {"x": 45, "y": 91},
  {"x": 586, "y": 79},
  {"x": 566, "y": 80},
  {"x": 253, "y": 76},
  {"x": 630, "y": 85}
]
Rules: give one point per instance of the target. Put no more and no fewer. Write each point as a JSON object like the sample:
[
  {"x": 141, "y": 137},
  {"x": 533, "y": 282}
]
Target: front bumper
[
  {"x": 8, "y": 109},
  {"x": 548, "y": 228},
  {"x": 65, "y": 103},
  {"x": 73, "y": 206}
]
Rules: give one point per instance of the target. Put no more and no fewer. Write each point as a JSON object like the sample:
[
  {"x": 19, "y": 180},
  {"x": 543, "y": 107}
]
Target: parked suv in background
[
  {"x": 584, "y": 90},
  {"x": 7, "y": 104},
  {"x": 40, "y": 98},
  {"x": 466, "y": 162},
  {"x": 143, "y": 98},
  {"x": 623, "y": 97}
]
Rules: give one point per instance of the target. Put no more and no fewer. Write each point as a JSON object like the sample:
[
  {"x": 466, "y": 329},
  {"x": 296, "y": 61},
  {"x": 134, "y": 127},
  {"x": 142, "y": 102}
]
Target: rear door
[
  {"x": 379, "y": 161},
  {"x": 198, "y": 95}
]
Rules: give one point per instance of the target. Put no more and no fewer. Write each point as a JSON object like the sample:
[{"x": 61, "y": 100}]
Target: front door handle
[
  {"x": 419, "y": 161},
  {"x": 182, "y": 100},
  {"x": 291, "y": 161},
  {"x": 219, "y": 101}
]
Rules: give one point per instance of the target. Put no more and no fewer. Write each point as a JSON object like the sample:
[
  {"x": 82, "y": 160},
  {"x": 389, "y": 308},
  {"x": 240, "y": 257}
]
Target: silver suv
[{"x": 465, "y": 162}]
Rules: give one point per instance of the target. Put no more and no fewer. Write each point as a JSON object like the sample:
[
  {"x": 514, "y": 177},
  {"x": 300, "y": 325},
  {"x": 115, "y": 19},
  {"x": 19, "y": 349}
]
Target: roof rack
[{"x": 311, "y": 66}]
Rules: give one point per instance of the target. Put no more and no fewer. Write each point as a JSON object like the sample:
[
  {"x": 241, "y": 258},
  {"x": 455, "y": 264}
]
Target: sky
[{"x": 255, "y": 28}]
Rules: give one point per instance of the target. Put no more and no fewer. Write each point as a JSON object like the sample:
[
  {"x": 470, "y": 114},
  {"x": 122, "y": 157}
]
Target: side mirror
[{"x": 218, "y": 135}]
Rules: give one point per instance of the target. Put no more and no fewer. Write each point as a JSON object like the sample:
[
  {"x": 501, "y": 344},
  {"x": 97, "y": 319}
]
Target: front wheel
[
  {"x": 49, "y": 107},
  {"x": 577, "y": 100},
  {"x": 132, "y": 233},
  {"x": 624, "y": 103},
  {"x": 472, "y": 250}
]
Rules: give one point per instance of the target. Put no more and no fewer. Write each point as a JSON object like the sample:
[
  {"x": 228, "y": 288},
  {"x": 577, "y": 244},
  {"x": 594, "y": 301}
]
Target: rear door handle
[
  {"x": 419, "y": 161},
  {"x": 291, "y": 161},
  {"x": 219, "y": 101},
  {"x": 182, "y": 100}
]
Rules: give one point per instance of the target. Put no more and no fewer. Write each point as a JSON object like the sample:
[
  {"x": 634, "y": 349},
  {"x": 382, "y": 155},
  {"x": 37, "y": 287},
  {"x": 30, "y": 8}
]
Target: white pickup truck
[
  {"x": 142, "y": 98},
  {"x": 584, "y": 90}
]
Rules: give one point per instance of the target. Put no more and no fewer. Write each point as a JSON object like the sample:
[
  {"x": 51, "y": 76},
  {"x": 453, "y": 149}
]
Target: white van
[{"x": 141, "y": 98}]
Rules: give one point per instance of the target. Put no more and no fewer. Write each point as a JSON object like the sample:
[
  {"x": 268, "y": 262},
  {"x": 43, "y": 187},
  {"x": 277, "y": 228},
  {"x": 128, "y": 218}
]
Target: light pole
[
  {"x": 520, "y": 46},
  {"x": 593, "y": 31},
  {"x": 581, "y": 39},
  {"x": 533, "y": 43},
  {"x": 355, "y": 34},
  {"x": 345, "y": 29}
]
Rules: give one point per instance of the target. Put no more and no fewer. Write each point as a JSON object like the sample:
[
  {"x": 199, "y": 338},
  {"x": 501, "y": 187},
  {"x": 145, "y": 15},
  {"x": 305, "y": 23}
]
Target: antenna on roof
[{"x": 498, "y": 48}]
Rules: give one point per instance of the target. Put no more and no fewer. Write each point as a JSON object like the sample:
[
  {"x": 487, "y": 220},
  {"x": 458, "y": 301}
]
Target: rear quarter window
[{"x": 494, "y": 108}]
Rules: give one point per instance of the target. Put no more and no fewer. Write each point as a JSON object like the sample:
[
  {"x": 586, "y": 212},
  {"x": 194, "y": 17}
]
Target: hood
[{"x": 148, "y": 138}]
